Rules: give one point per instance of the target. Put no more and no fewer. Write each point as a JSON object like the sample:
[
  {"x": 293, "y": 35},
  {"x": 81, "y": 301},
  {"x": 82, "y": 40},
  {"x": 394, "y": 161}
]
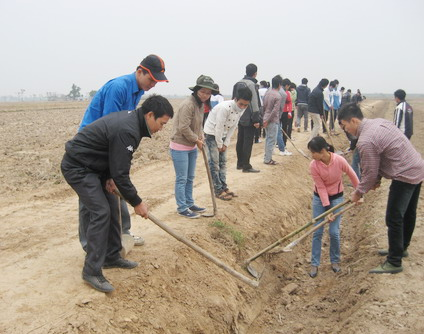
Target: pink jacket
[{"x": 328, "y": 179}]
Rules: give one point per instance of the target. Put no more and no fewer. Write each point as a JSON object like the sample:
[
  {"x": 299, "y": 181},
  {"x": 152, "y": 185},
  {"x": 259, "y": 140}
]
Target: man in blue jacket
[{"x": 122, "y": 93}]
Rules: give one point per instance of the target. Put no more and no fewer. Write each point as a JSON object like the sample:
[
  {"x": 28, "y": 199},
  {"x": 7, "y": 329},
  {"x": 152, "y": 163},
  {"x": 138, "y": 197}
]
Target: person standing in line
[
  {"x": 327, "y": 171},
  {"x": 303, "y": 92},
  {"x": 122, "y": 93},
  {"x": 403, "y": 116},
  {"x": 287, "y": 114},
  {"x": 263, "y": 88},
  {"x": 249, "y": 121},
  {"x": 186, "y": 138},
  {"x": 346, "y": 98},
  {"x": 293, "y": 95},
  {"x": 272, "y": 105},
  {"x": 336, "y": 102},
  {"x": 328, "y": 106},
  {"x": 386, "y": 152},
  {"x": 282, "y": 149},
  {"x": 212, "y": 102},
  {"x": 315, "y": 106},
  {"x": 96, "y": 163},
  {"x": 219, "y": 128}
]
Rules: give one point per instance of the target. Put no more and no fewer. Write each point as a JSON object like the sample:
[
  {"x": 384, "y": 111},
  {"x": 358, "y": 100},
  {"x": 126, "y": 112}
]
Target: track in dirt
[{"x": 175, "y": 290}]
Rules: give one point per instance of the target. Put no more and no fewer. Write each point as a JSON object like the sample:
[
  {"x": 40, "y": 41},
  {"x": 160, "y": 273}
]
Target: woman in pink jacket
[{"x": 327, "y": 171}]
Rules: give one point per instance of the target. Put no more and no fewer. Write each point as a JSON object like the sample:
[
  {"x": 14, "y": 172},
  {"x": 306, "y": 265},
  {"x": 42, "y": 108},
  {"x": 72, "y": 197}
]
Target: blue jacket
[{"x": 118, "y": 94}]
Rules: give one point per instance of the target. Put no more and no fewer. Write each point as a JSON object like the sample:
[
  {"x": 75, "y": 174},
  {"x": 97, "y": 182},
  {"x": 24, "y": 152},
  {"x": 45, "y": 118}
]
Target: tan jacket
[{"x": 188, "y": 121}]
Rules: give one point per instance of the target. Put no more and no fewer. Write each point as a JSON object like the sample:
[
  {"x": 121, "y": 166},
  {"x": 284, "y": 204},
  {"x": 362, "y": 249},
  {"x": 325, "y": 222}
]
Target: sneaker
[
  {"x": 386, "y": 268},
  {"x": 385, "y": 252},
  {"x": 281, "y": 153},
  {"x": 138, "y": 241},
  {"x": 286, "y": 153},
  {"x": 188, "y": 214},
  {"x": 197, "y": 209},
  {"x": 314, "y": 271},
  {"x": 99, "y": 282},
  {"x": 120, "y": 263},
  {"x": 336, "y": 267},
  {"x": 251, "y": 170}
]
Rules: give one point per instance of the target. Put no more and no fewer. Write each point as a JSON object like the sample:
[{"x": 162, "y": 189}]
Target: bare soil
[{"x": 174, "y": 289}]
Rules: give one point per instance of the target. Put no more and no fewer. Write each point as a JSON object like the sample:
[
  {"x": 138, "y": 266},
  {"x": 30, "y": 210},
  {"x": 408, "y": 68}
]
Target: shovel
[
  {"x": 205, "y": 159},
  {"x": 297, "y": 149},
  {"x": 338, "y": 152},
  {"x": 290, "y": 246},
  {"x": 254, "y": 272},
  {"x": 127, "y": 240}
]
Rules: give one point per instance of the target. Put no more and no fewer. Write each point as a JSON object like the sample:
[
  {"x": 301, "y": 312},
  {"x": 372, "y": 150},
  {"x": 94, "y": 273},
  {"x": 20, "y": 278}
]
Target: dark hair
[
  {"x": 251, "y": 69},
  {"x": 342, "y": 88},
  {"x": 292, "y": 85},
  {"x": 349, "y": 111},
  {"x": 336, "y": 81},
  {"x": 323, "y": 83},
  {"x": 304, "y": 81},
  {"x": 349, "y": 90},
  {"x": 268, "y": 84},
  {"x": 277, "y": 81},
  {"x": 263, "y": 83},
  {"x": 332, "y": 84},
  {"x": 286, "y": 82},
  {"x": 317, "y": 144},
  {"x": 159, "y": 105},
  {"x": 400, "y": 94},
  {"x": 244, "y": 93}
]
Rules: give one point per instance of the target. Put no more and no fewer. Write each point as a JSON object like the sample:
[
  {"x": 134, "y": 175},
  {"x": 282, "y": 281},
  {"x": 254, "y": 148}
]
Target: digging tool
[
  {"x": 200, "y": 250},
  {"x": 204, "y": 253},
  {"x": 205, "y": 159},
  {"x": 330, "y": 137},
  {"x": 254, "y": 272},
  {"x": 297, "y": 149},
  {"x": 290, "y": 246},
  {"x": 127, "y": 240}
]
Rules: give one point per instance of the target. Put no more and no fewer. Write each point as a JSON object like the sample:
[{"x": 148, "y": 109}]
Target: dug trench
[{"x": 176, "y": 290}]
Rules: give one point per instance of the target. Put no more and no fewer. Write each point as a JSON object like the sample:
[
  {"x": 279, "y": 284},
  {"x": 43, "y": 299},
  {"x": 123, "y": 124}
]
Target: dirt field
[{"x": 174, "y": 289}]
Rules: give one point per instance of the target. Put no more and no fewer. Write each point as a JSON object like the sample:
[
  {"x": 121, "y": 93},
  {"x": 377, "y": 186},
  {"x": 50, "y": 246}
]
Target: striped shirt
[
  {"x": 403, "y": 118},
  {"x": 386, "y": 152}
]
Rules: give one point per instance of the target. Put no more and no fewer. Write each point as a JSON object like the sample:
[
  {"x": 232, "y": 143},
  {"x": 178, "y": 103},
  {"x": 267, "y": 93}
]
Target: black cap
[{"x": 155, "y": 66}]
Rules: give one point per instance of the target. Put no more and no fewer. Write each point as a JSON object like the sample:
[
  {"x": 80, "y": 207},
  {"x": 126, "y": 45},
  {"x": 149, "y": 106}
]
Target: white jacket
[{"x": 222, "y": 122}]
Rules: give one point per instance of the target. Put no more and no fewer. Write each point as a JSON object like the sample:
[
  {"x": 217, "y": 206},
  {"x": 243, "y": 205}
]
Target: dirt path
[{"x": 175, "y": 290}]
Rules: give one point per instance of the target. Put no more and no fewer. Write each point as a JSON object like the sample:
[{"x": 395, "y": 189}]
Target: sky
[{"x": 48, "y": 45}]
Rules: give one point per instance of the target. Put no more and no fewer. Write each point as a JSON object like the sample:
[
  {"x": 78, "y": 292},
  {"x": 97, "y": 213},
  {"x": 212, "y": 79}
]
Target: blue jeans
[
  {"x": 185, "y": 166},
  {"x": 271, "y": 138},
  {"x": 356, "y": 160},
  {"x": 217, "y": 164},
  {"x": 318, "y": 209},
  {"x": 280, "y": 140}
]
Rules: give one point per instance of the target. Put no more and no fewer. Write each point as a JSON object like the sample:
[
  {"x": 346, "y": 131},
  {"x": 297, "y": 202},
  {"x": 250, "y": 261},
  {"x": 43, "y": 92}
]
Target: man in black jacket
[
  {"x": 316, "y": 106},
  {"x": 303, "y": 92},
  {"x": 249, "y": 121},
  {"x": 97, "y": 161}
]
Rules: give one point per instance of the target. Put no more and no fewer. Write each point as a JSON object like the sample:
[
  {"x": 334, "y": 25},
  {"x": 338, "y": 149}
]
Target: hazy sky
[{"x": 47, "y": 45}]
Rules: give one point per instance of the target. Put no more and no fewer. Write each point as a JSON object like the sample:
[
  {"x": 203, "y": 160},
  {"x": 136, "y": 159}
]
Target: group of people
[{"x": 97, "y": 160}]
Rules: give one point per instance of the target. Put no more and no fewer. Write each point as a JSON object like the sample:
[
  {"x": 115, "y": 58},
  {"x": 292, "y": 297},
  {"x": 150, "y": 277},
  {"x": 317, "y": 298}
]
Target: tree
[
  {"x": 92, "y": 93},
  {"x": 75, "y": 92}
]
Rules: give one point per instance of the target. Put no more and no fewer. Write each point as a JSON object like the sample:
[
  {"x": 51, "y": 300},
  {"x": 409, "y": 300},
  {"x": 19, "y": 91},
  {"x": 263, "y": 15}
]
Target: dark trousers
[
  {"x": 401, "y": 214},
  {"x": 84, "y": 220},
  {"x": 286, "y": 125},
  {"x": 333, "y": 118},
  {"x": 103, "y": 231},
  {"x": 244, "y": 146}
]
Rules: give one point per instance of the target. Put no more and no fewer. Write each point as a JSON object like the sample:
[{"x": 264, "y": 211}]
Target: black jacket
[
  {"x": 106, "y": 146},
  {"x": 303, "y": 93},
  {"x": 316, "y": 101}
]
